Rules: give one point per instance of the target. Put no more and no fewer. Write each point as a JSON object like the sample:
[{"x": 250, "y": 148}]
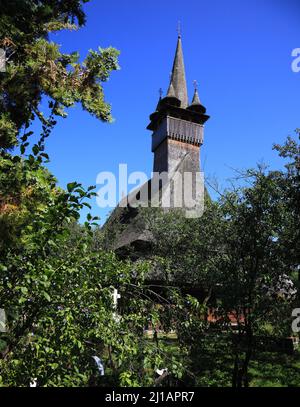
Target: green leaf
[
  {"x": 45, "y": 155},
  {"x": 47, "y": 296},
  {"x": 35, "y": 149},
  {"x": 24, "y": 290},
  {"x": 71, "y": 186},
  {"x": 87, "y": 205}
]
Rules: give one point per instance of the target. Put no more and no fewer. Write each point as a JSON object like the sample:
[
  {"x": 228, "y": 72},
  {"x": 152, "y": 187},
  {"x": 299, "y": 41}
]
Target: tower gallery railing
[{"x": 178, "y": 129}]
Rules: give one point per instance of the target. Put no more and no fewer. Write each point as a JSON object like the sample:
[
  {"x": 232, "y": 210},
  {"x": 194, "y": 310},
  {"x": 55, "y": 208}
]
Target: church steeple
[
  {"x": 177, "y": 136},
  {"x": 196, "y": 105},
  {"x": 196, "y": 100},
  {"x": 177, "y": 126},
  {"x": 178, "y": 81}
]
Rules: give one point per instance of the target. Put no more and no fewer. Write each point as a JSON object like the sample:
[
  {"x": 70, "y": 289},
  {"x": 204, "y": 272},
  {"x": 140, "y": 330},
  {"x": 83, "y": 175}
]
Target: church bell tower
[
  {"x": 176, "y": 125},
  {"x": 177, "y": 136}
]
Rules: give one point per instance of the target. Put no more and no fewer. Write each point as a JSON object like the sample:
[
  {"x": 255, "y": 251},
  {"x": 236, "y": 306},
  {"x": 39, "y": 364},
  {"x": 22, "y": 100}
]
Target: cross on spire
[
  {"x": 179, "y": 29},
  {"x": 196, "y": 100}
]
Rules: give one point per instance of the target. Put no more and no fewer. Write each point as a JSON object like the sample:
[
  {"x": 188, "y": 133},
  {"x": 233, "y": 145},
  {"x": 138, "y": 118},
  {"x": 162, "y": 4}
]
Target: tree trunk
[
  {"x": 248, "y": 356},
  {"x": 240, "y": 371}
]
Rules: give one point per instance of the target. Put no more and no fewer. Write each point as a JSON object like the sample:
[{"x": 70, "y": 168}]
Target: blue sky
[{"x": 238, "y": 51}]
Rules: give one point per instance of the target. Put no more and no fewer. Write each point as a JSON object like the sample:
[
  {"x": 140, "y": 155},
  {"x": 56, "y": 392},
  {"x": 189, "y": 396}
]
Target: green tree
[
  {"x": 240, "y": 257},
  {"x": 56, "y": 284},
  {"x": 35, "y": 67},
  {"x": 56, "y": 287},
  {"x": 253, "y": 270},
  {"x": 262, "y": 240},
  {"x": 290, "y": 190}
]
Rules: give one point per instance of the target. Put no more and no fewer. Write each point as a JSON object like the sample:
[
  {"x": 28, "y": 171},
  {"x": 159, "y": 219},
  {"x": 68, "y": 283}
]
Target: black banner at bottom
[{"x": 146, "y": 396}]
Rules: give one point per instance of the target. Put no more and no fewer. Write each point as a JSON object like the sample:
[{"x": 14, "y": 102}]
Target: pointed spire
[
  {"x": 178, "y": 81},
  {"x": 196, "y": 99},
  {"x": 196, "y": 105},
  {"x": 160, "y": 91}
]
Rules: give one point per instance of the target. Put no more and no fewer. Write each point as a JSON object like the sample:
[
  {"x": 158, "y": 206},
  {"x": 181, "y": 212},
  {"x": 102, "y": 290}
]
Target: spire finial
[
  {"x": 196, "y": 100},
  {"x": 160, "y": 92},
  {"x": 179, "y": 29},
  {"x": 178, "y": 80}
]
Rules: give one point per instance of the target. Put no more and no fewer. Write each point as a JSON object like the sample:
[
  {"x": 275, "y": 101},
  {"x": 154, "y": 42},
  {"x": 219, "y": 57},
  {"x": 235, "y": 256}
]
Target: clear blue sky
[{"x": 238, "y": 51}]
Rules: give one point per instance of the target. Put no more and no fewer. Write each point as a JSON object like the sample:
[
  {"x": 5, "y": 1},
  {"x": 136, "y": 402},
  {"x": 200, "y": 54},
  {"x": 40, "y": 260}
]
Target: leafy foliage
[
  {"x": 56, "y": 278},
  {"x": 35, "y": 67},
  {"x": 57, "y": 291},
  {"x": 241, "y": 257},
  {"x": 56, "y": 284}
]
